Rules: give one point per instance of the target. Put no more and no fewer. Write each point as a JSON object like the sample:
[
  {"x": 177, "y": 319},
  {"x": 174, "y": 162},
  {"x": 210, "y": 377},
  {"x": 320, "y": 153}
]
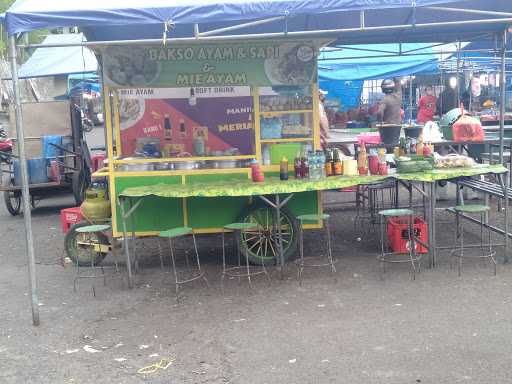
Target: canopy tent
[
  {"x": 361, "y": 62},
  {"x": 341, "y": 71},
  {"x": 343, "y": 21},
  {"x": 354, "y": 22},
  {"x": 60, "y": 60}
]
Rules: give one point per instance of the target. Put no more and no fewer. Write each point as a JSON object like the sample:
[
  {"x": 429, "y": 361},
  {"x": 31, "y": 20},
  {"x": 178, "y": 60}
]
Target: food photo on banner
[{"x": 184, "y": 122}]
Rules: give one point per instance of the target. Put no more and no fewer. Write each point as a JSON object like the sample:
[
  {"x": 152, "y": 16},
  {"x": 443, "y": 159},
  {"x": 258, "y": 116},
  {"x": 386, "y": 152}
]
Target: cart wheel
[
  {"x": 12, "y": 201},
  {"x": 262, "y": 247},
  {"x": 79, "y": 184},
  {"x": 78, "y": 249}
]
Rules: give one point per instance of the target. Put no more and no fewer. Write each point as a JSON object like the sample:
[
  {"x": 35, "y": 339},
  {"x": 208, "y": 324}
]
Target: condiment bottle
[
  {"x": 256, "y": 173},
  {"x": 362, "y": 160},
  {"x": 383, "y": 166},
  {"x": 297, "y": 166},
  {"x": 420, "y": 146},
  {"x": 403, "y": 147},
  {"x": 337, "y": 164},
  {"x": 304, "y": 165},
  {"x": 329, "y": 171},
  {"x": 283, "y": 169}
]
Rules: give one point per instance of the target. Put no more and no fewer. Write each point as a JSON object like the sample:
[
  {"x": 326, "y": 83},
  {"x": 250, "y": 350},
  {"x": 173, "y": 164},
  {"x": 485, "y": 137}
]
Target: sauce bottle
[
  {"x": 362, "y": 160},
  {"x": 337, "y": 164},
  {"x": 328, "y": 163},
  {"x": 256, "y": 173},
  {"x": 420, "y": 146},
  {"x": 304, "y": 165},
  {"x": 283, "y": 169},
  {"x": 297, "y": 166}
]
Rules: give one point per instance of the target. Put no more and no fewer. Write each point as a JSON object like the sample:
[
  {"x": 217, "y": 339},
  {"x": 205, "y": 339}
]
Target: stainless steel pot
[
  {"x": 223, "y": 164},
  {"x": 186, "y": 165},
  {"x": 162, "y": 166},
  {"x": 137, "y": 167}
]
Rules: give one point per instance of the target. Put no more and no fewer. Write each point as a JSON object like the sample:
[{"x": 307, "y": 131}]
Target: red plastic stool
[{"x": 69, "y": 217}]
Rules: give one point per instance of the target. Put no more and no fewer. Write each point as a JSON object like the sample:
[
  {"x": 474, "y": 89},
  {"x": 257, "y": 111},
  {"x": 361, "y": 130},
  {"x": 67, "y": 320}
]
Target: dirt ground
[{"x": 349, "y": 327}]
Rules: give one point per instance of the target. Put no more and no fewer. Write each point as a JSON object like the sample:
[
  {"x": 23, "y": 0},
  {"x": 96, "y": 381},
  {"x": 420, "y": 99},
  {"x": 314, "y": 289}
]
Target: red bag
[{"x": 467, "y": 128}]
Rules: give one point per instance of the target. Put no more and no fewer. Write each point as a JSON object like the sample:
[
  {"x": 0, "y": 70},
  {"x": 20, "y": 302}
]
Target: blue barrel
[
  {"x": 37, "y": 171},
  {"x": 17, "y": 172},
  {"x": 48, "y": 150}
]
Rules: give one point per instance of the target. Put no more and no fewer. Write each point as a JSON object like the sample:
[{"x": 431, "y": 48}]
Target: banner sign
[
  {"x": 256, "y": 63},
  {"x": 200, "y": 121}
]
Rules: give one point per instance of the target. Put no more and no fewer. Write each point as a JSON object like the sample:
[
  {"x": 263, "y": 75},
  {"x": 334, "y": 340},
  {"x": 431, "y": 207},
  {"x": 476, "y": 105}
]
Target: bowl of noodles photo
[
  {"x": 130, "y": 66},
  {"x": 131, "y": 110},
  {"x": 295, "y": 66}
]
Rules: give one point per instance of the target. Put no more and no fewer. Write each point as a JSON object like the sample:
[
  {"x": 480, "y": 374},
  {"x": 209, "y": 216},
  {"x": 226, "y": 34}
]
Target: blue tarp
[
  {"x": 362, "y": 63},
  {"x": 59, "y": 61},
  {"x": 136, "y": 19},
  {"x": 342, "y": 72}
]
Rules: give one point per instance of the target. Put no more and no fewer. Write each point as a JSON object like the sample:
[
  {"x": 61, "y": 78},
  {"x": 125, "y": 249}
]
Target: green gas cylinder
[{"x": 95, "y": 206}]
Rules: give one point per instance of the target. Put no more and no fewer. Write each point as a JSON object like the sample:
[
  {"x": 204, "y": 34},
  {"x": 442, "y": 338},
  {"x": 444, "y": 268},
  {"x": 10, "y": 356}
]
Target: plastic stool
[
  {"x": 390, "y": 257},
  {"x": 312, "y": 261},
  {"x": 240, "y": 270},
  {"x": 88, "y": 233},
  {"x": 194, "y": 275},
  {"x": 487, "y": 251}
]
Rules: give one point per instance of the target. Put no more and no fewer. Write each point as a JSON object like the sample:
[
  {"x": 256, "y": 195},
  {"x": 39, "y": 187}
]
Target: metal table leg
[
  {"x": 126, "y": 245},
  {"x": 504, "y": 187},
  {"x": 124, "y": 217},
  {"x": 277, "y": 204},
  {"x": 431, "y": 224},
  {"x": 279, "y": 235}
]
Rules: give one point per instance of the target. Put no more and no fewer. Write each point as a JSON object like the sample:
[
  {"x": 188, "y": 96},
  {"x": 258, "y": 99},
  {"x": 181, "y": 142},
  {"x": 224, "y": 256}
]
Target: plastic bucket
[
  {"x": 390, "y": 134},
  {"x": 37, "y": 171}
]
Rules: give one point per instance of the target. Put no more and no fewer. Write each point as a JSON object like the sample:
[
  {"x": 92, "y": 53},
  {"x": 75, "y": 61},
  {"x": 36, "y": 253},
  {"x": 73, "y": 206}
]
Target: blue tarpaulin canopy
[
  {"x": 341, "y": 71},
  {"x": 361, "y": 62},
  {"x": 59, "y": 61},
  {"x": 139, "y": 19}
]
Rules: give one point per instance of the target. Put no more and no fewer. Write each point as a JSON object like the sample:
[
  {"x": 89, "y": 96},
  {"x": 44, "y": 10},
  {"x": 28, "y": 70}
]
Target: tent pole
[
  {"x": 502, "y": 91},
  {"x": 505, "y": 183},
  {"x": 457, "y": 86},
  {"x": 24, "y": 182}
]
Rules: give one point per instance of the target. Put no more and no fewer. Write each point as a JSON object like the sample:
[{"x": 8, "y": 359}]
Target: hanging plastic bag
[{"x": 467, "y": 128}]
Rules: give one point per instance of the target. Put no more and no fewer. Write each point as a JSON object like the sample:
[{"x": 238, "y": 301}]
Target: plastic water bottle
[{"x": 321, "y": 164}]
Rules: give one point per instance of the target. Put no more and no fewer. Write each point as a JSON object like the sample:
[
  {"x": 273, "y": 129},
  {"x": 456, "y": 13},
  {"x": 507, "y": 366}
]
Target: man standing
[
  {"x": 447, "y": 100},
  {"x": 390, "y": 106},
  {"x": 426, "y": 106}
]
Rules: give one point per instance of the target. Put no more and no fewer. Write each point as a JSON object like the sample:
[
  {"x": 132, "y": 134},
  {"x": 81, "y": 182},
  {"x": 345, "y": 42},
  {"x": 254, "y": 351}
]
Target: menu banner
[
  {"x": 187, "y": 121},
  {"x": 261, "y": 63}
]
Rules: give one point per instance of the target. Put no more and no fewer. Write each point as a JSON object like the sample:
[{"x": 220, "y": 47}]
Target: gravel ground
[{"x": 348, "y": 327}]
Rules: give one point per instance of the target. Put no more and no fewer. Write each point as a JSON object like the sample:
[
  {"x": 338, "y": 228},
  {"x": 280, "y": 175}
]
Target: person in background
[
  {"x": 390, "y": 106},
  {"x": 427, "y": 106},
  {"x": 324, "y": 121},
  {"x": 446, "y": 100}
]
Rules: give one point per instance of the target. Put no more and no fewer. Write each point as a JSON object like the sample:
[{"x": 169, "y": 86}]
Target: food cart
[{"x": 197, "y": 112}]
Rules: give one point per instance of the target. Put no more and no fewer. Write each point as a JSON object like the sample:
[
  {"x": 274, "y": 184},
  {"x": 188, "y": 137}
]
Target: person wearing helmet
[{"x": 390, "y": 106}]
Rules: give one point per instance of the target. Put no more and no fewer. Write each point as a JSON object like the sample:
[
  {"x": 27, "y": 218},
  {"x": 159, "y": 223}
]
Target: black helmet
[{"x": 388, "y": 86}]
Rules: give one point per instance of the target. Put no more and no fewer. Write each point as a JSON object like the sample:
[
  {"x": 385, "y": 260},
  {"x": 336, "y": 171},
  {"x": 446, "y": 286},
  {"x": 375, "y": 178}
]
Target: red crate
[
  {"x": 398, "y": 234},
  {"x": 69, "y": 217}
]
